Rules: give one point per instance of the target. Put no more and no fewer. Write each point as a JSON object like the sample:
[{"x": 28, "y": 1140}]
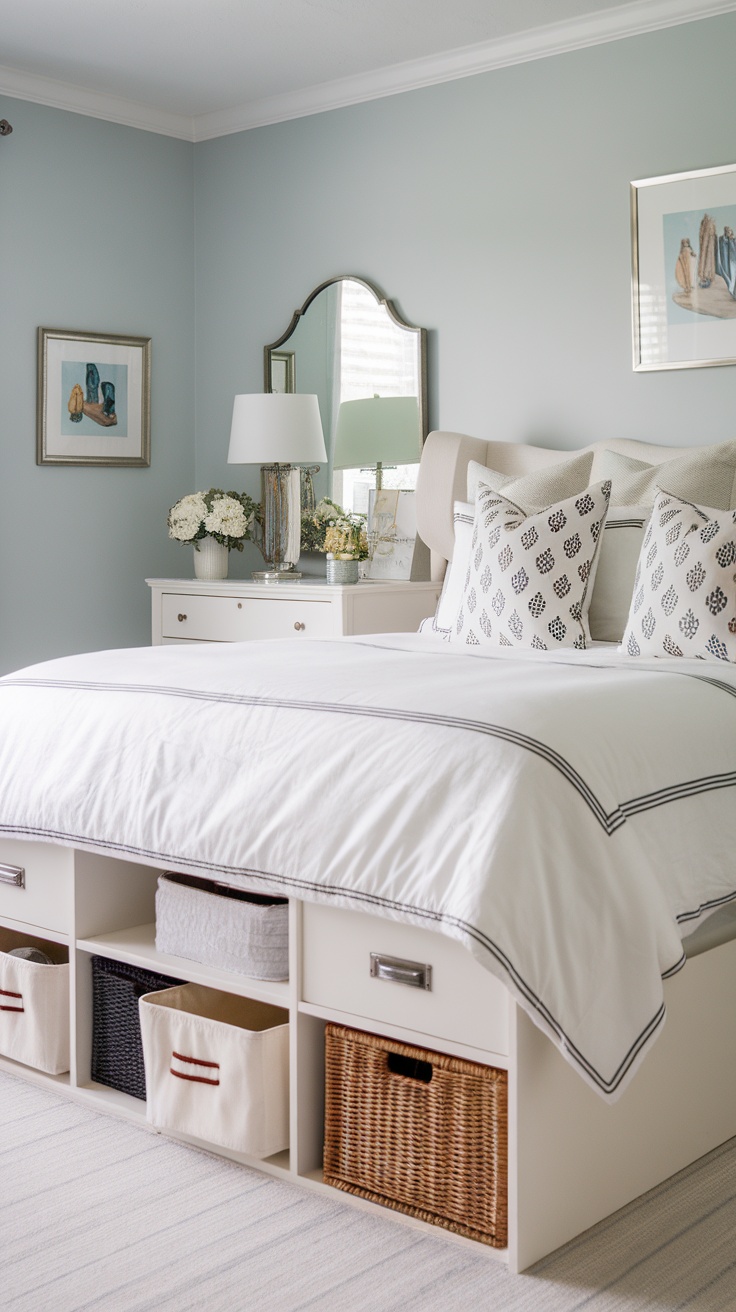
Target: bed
[{"x": 562, "y": 810}]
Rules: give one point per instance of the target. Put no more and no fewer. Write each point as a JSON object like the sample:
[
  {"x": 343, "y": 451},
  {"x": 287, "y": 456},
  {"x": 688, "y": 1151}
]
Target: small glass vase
[
  {"x": 342, "y": 571},
  {"x": 211, "y": 560}
]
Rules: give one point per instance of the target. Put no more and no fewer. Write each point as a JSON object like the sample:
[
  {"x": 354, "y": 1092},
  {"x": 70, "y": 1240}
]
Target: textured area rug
[{"x": 98, "y": 1213}]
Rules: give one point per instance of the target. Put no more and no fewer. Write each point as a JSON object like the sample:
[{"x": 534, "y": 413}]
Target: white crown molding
[
  {"x": 62, "y": 95},
  {"x": 554, "y": 39},
  {"x": 634, "y": 19}
]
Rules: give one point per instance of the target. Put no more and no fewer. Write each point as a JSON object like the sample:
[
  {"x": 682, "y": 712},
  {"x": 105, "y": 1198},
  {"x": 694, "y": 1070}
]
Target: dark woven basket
[
  {"x": 117, "y": 1051},
  {"x": 417, "y": 1131}
]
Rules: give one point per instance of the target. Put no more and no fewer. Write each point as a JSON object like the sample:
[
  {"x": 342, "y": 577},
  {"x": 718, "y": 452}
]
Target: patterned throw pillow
[
  {"x": 530, "y": 577},
  {"x": 684, "y": 601}
]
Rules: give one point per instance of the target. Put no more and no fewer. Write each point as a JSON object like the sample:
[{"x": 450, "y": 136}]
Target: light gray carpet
[{"x": 97, "y": 1213}]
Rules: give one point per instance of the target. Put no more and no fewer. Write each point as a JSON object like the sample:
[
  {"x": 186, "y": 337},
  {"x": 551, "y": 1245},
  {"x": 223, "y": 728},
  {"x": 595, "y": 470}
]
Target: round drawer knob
[
  {"x": 181, "y": 618},
  {"x": 299, "y": 626}
]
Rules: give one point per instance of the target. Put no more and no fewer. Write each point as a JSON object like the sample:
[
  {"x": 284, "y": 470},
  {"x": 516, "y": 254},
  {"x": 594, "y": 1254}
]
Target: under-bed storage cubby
[
  {"x": 229, "y": 928},
  {"x": 34, "y": 1001},
  {"x": 417, "y": 1131},
  {"x": 117, "y": 1052},
  {"x": 217, "y": 1068}
]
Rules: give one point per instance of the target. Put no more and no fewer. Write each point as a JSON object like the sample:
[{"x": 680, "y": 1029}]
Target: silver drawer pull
[
  {"x": 13, "y": 875},
  {"x": 416, "y": 974},
  {"x": 181, "y": 618},
  {"x": 299, "y": 626}
]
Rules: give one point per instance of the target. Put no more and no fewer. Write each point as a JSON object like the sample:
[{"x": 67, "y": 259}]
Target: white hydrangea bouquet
[{"x": 228, "y": 517}]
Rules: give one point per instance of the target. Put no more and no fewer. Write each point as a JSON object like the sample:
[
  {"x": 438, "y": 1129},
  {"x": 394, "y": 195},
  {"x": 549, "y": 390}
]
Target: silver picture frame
[
  {"x": 93, "y": 399},
  {"x": 683, "y": 244}
]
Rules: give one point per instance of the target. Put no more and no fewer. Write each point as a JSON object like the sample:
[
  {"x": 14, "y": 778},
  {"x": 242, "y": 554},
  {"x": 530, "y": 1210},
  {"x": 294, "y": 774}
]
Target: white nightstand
[{"x": 233, "y": 610}]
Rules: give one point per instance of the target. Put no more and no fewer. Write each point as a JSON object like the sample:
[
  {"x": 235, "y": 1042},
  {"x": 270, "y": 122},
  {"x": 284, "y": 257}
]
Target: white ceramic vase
[{"x": 211, "y": 561}]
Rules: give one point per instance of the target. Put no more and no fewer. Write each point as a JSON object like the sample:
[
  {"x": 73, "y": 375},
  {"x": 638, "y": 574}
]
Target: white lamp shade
[
  {"x": 276, "y": 428},
  {"x": 380, "y": 428}
]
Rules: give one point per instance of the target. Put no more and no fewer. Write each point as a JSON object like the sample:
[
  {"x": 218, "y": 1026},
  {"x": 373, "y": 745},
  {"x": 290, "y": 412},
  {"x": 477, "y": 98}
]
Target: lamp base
[{"x": 275, "y": 575}]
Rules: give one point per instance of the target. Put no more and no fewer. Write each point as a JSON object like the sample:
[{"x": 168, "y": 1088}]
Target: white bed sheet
[{"x": 568, "y": 818}]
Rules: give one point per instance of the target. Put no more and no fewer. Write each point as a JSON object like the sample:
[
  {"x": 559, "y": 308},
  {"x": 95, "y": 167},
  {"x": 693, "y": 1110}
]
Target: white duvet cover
[{"x": 568, "y": 818}]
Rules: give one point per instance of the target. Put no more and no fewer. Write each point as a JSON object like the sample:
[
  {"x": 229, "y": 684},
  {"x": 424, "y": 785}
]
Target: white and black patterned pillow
[
  {"x": 530, "y": 577},
  {"x": 684, "y": 601}
]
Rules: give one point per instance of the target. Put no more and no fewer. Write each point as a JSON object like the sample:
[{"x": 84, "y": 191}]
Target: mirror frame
[{"x": 392, "y": 311}]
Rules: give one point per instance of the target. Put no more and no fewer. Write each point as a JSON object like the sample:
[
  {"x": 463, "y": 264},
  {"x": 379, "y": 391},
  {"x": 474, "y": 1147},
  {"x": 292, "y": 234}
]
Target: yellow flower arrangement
[{"x": 339, "y": 532}]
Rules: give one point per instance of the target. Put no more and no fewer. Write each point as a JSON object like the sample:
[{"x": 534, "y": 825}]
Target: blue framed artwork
[
  {"x": 683, "y": 230},
  {"x": 93, "y": 399}
]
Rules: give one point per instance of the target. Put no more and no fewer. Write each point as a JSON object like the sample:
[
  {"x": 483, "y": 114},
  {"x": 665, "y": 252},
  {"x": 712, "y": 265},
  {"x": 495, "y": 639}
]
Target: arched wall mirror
[{"x": 348, "y": 345}]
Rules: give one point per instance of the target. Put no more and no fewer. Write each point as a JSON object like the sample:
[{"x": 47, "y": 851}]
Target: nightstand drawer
[
  {"x": 36, "y": 884},
  {"x": 377, "y": 968},
  {"x": 234, "y": 619}
]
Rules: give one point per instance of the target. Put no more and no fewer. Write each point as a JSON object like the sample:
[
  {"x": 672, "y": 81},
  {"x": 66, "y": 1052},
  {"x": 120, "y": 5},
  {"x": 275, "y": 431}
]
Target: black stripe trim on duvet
[
  {"x": 675, "y": 792},
  {"x": 695, "y": 914},
  {"x": 609, "y": 821},
  {"x": 714, "y": 683},
  {"x": 376, "y": 900},
  {"x": 674, "y": 970},
  {"x": 554, "y": 658}
]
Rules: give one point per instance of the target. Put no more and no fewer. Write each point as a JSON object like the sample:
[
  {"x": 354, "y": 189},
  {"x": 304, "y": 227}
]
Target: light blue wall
[
  {"x": 96, "y": 234},
  {"x": 495, "y": 211}
]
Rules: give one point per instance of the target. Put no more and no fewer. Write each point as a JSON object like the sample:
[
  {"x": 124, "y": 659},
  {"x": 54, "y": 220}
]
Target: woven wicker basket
[
  {"x": 117, "y": 1050},
  {"x": 417, "y": 1131}
]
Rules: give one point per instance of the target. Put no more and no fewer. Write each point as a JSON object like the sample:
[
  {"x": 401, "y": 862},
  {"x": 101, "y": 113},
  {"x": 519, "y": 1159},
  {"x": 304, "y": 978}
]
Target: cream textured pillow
[
  {"x": 530, "y": 577},
  {"x": 614, "y": 577},
  {"x": 538, "y": 488},
  {"x": 684, "y": 602},
  {"x": 707, "y": 477}
]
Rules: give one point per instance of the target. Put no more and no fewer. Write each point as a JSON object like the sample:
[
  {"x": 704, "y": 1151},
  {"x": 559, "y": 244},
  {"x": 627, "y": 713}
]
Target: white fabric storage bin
[
  {"x": 217, "y": 1068},
  {"x": 223, "y": 927},
  {"x": 34, "y": 1004}
]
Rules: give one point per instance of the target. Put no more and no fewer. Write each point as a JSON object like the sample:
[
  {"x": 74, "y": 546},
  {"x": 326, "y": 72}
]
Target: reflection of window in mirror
[
  {"x": 348, "y": 346},
  {"x": 283, "y": 371},
  {"x": 374, "y": 358}
]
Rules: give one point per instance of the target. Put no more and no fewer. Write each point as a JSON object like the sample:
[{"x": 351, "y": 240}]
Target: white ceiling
[{"x": 199, "y": 68}]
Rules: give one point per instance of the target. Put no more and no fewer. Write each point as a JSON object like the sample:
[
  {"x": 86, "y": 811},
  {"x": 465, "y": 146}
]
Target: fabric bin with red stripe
[
  {"x": 34, "y": 1004},
  {"x": 217, "y": 1068}
]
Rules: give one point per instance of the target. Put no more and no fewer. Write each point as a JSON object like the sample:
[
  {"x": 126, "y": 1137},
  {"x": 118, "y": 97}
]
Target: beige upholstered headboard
[{"x": 443, "y": 477}]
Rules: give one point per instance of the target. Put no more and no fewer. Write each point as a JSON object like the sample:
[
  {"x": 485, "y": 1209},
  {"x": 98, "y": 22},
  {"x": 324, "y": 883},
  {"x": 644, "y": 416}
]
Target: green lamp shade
[{"x": 379, "y": 429}]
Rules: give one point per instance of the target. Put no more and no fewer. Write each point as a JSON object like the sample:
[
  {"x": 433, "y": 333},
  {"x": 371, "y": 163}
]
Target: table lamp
[
  {"x": 375, "y": 431},
  {"x": 280, "y": 429}
]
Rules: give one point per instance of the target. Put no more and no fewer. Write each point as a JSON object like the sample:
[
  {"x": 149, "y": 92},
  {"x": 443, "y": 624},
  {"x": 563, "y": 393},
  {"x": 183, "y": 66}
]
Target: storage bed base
[{"x": 572, "y": 1159}]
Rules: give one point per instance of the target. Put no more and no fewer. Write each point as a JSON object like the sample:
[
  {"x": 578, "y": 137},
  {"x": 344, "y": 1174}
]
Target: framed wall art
[
  {"x": 94, "y": 399},
  {"x": 684, "y": 269}
]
